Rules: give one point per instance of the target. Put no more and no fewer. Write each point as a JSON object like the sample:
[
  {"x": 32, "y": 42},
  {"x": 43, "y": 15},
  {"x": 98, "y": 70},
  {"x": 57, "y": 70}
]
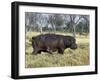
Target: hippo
[{"x": 52, "y": 42}]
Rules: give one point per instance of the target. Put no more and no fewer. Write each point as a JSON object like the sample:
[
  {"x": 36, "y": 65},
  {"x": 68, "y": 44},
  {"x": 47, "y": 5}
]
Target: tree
[
  {"x": 83, "y": 25},
  {"x": 55, "y": 20},
  {"x": 30, "y": 21},
  {"x": 41, "y": 21},
  {"x": 74, "y": 20},
  {"x": 86, "y": 18}
]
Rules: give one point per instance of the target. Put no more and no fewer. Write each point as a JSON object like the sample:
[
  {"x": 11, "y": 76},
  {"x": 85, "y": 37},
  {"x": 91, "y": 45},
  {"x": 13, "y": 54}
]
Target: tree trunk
[
  {"x": 40, "y": 30},
  {"x": 54, "y": 30},
  {"x": 74, "y": 31},
  {"x": 82, "y": 29}
]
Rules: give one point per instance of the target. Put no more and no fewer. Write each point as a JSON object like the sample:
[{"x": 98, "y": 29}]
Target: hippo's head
[{"x": 73, "y": 43}]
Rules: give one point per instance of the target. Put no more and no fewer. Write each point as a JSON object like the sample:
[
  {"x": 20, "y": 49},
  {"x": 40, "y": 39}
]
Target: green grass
[{"x": 77, "y": 57}]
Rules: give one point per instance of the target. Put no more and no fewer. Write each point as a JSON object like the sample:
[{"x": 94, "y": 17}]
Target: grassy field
[{"x": 77, "y": 57}]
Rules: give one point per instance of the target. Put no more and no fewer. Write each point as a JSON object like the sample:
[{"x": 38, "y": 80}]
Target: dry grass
[{"x": 77, "y": 57}]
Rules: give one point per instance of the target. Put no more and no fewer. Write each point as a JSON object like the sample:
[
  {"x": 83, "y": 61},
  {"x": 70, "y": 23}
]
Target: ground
[{"x": 77, "y": 57}]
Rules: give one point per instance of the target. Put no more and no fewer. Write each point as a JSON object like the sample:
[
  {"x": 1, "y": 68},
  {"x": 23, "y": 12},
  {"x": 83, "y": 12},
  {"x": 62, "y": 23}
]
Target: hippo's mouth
[{"x": 73, "y": 46}]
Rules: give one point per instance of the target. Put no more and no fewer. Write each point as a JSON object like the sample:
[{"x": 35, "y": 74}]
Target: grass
[{"x": 77, "y": 57}]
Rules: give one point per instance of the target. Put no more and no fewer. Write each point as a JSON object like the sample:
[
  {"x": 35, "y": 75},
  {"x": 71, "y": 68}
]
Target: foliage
[{"x": 42, "y": 22}]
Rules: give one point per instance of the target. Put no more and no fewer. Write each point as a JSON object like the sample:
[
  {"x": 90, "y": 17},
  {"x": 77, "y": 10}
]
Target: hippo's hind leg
[{"x": 36, "y": 51}]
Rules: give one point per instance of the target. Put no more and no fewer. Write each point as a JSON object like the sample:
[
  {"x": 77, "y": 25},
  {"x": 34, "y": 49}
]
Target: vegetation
[
  {"x": 77, "y": 57},
  {"x": 41, "y": 22},
  {"x": 75, "y": 25}
]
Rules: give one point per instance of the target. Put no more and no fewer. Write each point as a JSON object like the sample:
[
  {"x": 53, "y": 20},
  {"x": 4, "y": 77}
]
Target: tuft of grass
[{"x": 78, "y": 57}]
